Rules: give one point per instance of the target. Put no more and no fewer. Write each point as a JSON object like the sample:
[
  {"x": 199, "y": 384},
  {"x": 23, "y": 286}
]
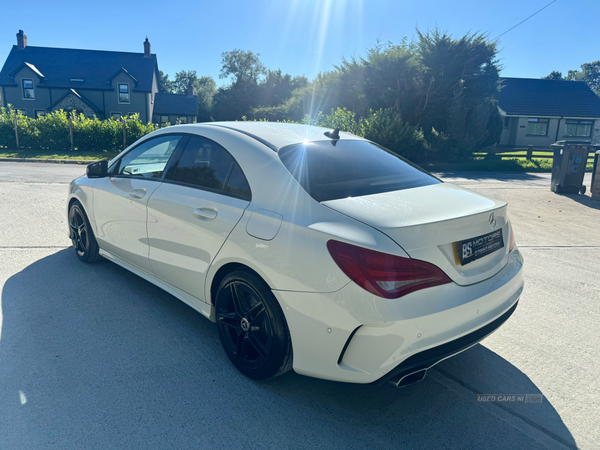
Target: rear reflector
[{"x": 383, "y": 274}]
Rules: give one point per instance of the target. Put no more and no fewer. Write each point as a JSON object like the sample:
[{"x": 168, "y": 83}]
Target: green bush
[
  {"x": 339, "y": 118},
  {"x": 7, "y": 128},
  {"x": 51, "y": 132},
  {"x": 54, "y": 131},
  {"x": 384, "y": 127}
]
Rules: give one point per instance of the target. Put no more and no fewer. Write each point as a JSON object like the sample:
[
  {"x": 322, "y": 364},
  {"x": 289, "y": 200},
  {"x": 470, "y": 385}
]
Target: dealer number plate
[{"x": 472, "y": 249}]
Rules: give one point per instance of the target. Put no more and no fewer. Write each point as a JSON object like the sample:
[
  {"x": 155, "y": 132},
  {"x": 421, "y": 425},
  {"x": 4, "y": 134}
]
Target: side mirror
[{"x": 97, "y": 169}]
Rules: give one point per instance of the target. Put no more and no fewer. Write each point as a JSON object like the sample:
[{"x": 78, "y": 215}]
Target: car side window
[
  {"x": 204, "y": 163},
  {"x": 148, "y": 160},
  {"x": 237, "y": 183}
]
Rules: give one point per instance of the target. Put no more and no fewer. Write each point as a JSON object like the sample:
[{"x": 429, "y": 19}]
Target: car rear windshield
[{"x": 329, "y": 170}]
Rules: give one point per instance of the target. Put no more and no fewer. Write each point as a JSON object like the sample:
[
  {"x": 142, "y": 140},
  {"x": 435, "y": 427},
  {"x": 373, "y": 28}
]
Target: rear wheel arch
[
  {"x": 251, "y": 323},
  {"x": 224, "y": 271}
]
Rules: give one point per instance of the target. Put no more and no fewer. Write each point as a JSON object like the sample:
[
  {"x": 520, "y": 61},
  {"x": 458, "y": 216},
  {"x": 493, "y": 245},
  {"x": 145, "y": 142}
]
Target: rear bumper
[
  {"x": 353, "y": 336},
  {"x": 428, "y": 358}
]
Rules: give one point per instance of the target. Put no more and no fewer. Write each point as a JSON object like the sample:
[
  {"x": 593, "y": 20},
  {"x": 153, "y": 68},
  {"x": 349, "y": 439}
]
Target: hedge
[{"x": 51, "y": 132}]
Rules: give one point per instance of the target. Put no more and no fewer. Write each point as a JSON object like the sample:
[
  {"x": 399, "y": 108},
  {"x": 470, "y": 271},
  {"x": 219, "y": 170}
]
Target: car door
[
  {"x": 120, "y": 199},
  {"x": 193, "y": 211}
]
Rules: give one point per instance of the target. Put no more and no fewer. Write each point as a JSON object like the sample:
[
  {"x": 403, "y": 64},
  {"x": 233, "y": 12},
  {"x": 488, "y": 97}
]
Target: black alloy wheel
[
  {"x": 252, "y": 326},
  {"x": 82, "y": 235}
]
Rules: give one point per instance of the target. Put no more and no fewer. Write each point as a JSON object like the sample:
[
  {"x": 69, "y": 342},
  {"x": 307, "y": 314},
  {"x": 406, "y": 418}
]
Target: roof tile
[
  {"x": 537, "y": 97},
  {"x": 176, "y": 104},
  {"x": 59, "y": 65}
]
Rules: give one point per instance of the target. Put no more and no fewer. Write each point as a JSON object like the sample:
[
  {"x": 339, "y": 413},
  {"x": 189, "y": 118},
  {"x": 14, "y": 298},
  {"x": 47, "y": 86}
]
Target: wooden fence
[{"x": 527, "y": 152}]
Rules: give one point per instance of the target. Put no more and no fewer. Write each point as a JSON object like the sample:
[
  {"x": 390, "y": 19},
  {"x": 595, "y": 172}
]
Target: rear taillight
[
  {"x": 512, "y": 244},
  {"x": 383, "y": 274}
]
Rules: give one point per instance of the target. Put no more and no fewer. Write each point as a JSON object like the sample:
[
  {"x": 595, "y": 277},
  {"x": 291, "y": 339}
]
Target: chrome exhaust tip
[{"x": 409, "y": 378}]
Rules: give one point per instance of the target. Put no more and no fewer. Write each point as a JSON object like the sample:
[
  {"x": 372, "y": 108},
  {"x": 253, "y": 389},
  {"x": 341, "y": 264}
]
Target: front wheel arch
[{"x": 90, "y": 250}]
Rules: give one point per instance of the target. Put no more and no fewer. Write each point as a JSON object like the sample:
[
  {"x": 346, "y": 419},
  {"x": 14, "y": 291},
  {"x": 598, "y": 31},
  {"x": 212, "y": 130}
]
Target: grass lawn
[
  {"x": 497, "y": 164},
  {"x": 53, "y": 154}
]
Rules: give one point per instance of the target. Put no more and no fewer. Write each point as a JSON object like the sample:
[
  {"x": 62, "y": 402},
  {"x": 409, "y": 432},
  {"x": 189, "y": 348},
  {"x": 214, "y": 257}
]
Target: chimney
[
  {"x": 190, "y": 90},
  {"x": 21, "y": 39},
  {"x": 146, "y": 48}
]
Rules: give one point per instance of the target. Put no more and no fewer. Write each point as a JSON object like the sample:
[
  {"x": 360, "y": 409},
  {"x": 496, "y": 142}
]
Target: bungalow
[
  {"x": 540, "y": 112},
  {"x": 38, "y": 80}
]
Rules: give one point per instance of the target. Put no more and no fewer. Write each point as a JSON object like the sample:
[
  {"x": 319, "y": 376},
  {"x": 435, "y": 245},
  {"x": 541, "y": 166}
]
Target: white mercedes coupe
[{"x": 310, "y": 248}]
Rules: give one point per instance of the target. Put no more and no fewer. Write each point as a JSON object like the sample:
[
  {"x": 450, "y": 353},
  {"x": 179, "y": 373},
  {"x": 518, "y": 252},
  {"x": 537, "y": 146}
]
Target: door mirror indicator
[{"x": 98, "y": 169}]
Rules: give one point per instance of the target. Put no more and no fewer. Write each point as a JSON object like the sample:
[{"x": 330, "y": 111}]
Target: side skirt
[{"x": 203, "y": 308}]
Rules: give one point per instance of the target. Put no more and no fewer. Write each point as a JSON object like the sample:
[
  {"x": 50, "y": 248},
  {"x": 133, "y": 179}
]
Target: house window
[
  {"x": 22, "y": 111},
  {"x": 579, "y": 128},
  {"x": 537, "y": 127},
  {"x": 27, "y": 84},
  {"x": 182, "y": 119},
  {"x": 39, "y": 113},
  {"x": 123, "y": 93},
  {"x": 164, "y": 120},
  {"x": 115, "y": 115}
]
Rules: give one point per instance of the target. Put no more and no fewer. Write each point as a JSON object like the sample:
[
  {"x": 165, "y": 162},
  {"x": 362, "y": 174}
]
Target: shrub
[
  {"x": 386, "y": 128},
  {"x": 7, "y": 127},
  {"x": 340, "y": 118},
  {"x": 54, "y": 131},
  {"x": 51, "y": 132}
]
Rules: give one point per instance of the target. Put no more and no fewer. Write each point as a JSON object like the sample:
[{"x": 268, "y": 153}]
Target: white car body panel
[
  {"x": 182, "y": 241},
  {"x": 282, "y": 235},
  {"x": 120, "y": 217},
  {"x": 390, "y": 330},
  {"x": 425, "y": 221},
  {"x": 297, "y": 259}
]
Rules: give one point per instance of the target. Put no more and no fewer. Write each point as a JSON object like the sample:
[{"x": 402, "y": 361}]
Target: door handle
[
  {"x": 138, "y": 193},
  {"x": 206, "y": 213}
]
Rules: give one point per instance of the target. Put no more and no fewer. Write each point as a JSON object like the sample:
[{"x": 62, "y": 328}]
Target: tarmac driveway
[{"x": 92, "y": 356}]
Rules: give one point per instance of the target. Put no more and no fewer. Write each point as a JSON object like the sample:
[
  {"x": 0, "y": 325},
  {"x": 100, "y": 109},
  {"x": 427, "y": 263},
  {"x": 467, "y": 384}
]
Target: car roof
[{"x": 276, "y": 135}]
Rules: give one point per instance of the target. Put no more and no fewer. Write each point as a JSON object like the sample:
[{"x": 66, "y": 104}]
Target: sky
[{"x": 304, "y": 37}]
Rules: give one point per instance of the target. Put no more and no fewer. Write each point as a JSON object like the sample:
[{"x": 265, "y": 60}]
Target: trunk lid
[{"x": 426, "y": 221}]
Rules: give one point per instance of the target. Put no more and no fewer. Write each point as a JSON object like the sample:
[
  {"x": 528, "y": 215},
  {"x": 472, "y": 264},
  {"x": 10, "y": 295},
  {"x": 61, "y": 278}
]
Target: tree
[
  {"x": 589, "y": 72},
  {"x": 277, "y": 88},
  {"x": 242, "y": 95},
  {"x": 451, "y": 66},
  {"x": 438, "y": 89},
  {"x": 554, "y": 75},
  {"x": 164, "y": 84},
  {"x": 244, "y": 66},
  {"x": 205, "y": 88},
  {"x": 183, "y": 79}
]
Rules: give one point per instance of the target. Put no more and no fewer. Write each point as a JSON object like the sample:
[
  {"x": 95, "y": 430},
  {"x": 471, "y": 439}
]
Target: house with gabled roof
[
  {"x": 540, "y": 112},
  {"x": 38, "y": 80}
]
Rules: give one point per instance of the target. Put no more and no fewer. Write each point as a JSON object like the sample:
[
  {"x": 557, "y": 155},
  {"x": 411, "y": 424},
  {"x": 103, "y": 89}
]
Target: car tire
[
  {"x": 252, "y": 326},
  {"x": 81, "y": 234}
]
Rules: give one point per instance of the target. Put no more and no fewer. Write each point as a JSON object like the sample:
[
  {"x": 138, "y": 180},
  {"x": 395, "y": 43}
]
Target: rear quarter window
[{"x": 330, "y": 170}]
